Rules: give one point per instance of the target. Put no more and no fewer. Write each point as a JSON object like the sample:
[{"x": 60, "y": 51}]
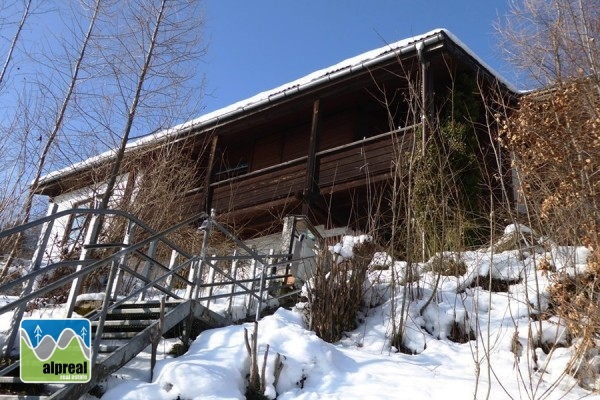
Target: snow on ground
[
  {"x": 358, "y": 367},
  {"x": 496, "y": 364}
]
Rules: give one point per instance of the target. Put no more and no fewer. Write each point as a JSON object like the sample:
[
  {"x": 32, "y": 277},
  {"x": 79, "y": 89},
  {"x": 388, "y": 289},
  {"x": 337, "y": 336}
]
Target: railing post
[
  {"x": 114, "y": 268},
  {"x": 189, "y": 291},
  {"x": 211, "y": 281},
  {"x": 261, "y": 289},
  {"x": 199, "y": 274},
  {"x": 90, "y": 238},
  {"x": 197, "y": 279},
  {"x": 148, "y": 265},
  {"x": 254, "y": 266},
  {"x": 234, "y": 264},
  {"x": 32, "y": 284},
  {"x": 272, "y": 270},
  {"x": 172, "y": 264},
  {"x": 118, "y": 280},
  {"x": 42, "y": 245}
]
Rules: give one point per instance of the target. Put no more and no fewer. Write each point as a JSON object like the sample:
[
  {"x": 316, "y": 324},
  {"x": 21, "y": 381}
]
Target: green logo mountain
[{"x": 55, "y": 350}]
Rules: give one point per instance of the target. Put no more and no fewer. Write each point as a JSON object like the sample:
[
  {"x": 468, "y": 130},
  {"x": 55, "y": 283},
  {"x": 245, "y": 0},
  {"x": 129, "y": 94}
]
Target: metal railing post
[
  {"x": 90, "y": 237},
  {"x": 118, "y": 279},
  {"x": 42, "y": 245},
  {"x": 189, "y": 291},
  {"x": 148, "y": 265},
  {"x": 234, "y": 264},
  {"x": 114, "y": 267},
  {"x": 263, "y": 278},
  {"x": 254, "y": 266},
  {"x": 205, "y": 227},
  {"x": 172, "y": 264},
  {"x": 211, "y": 281}
]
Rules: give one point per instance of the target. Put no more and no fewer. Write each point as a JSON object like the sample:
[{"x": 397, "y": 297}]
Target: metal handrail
[
  {"x": 23, "y": 279},
  {"x": 121, "y": 213},
  {"x": 255, "y": 288},
  {"x": 67, "y": 279},
  {"x": 150, "y": 284}
]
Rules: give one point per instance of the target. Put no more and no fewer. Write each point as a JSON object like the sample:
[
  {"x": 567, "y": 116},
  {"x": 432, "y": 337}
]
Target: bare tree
[
  {"x": 553, "y": 136},
  {"x": 553, "y": 41},
  {"x": 50, "y": 141},
  {"x": 149, "y": 72},
  {"x": 13, "y": 43},
  {"x": 87, "y": 92}
]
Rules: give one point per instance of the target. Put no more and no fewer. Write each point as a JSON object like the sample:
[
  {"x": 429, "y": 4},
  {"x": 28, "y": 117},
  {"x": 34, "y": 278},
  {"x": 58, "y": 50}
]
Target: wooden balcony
[{"x": 337, "y": 169}]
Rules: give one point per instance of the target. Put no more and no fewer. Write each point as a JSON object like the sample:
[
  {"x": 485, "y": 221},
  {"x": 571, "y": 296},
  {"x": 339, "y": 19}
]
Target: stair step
[
  {"x": 137, "y": 309},
  {"x": 139, "y": 313},
  {"x": 124, "y": 325},
  {"x": 124, "y": 322},
  {"x": 118, "y": 335},
  {"x": 21, "y": 397},
  {"x": 10, "y": 379},
  {"x": 149, "y": 303},
  {"x": 108, "y": 348}
]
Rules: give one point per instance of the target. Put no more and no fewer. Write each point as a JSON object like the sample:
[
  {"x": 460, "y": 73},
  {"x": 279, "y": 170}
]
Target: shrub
[{"x": 335, "y": 294}]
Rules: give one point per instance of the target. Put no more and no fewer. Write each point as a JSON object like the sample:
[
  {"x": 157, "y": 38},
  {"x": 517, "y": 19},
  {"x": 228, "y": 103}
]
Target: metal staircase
[{"x": 144, "y": 298}]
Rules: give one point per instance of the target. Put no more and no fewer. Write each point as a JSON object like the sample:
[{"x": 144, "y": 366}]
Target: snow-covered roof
[{"x": 348, "y": 66}]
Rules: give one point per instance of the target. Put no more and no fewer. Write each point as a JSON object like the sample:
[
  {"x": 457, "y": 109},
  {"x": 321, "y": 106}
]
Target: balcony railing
[{"x": 339, "y": 168}]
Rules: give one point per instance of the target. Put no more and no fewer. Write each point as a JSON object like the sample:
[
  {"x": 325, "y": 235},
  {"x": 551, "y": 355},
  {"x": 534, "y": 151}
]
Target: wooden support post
[
  {"x": 312, "y": 168},
  {"x": 207, "y": 198},
  {"x": 197, "y": 277},
  {"x": 42, "y": 245}
]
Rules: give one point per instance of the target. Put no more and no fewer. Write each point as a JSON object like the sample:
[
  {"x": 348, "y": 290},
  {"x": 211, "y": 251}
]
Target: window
[{"x": 76, "y": 229}]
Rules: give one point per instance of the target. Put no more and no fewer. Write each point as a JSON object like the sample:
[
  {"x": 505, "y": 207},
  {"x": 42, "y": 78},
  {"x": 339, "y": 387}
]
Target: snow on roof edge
[{"x": 297, "y": 85}]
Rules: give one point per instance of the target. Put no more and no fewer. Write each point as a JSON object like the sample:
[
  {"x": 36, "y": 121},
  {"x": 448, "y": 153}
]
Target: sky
[{"x": 255, "y": 46}]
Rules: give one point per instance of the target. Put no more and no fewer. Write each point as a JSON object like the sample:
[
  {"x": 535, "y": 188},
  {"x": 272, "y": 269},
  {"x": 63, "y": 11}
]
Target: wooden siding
[
  {"x": 296, "y": 144},
  {"x": 267, "y": 152},
  {"x": 336, "y": 131}
]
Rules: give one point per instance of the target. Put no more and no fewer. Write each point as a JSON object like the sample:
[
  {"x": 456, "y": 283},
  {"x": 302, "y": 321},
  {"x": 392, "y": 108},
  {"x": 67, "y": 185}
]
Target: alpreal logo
[{"x": 55, "y": 350}]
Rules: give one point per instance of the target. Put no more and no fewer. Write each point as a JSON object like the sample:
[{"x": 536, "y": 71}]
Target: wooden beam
[
  {"x": 270, "y": 207},
  {"x": 311, "y": 164},
  {"x": 333, "y": 188}
]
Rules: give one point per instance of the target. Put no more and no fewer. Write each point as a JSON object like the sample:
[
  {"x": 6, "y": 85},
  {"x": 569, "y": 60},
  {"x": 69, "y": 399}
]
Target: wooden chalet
[{"x": 319, "y": 146}]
